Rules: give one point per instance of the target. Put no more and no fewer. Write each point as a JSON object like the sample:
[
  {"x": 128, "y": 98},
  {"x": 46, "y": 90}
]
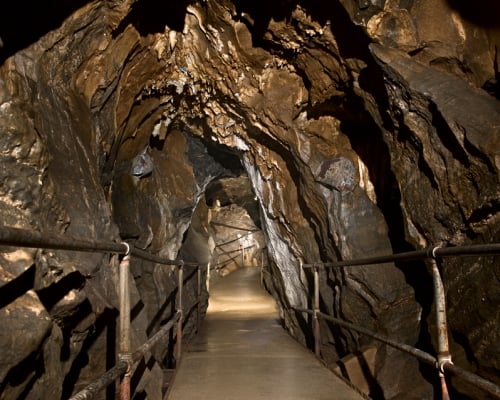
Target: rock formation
[{"x": 358, "y": 127}]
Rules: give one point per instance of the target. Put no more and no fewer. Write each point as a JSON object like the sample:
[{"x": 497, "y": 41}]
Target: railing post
[
  {"x": 302, "y": 274},
  {"x": 444, "y": 356},
  {"x": 242, "y": 255},
  {"x": 262, "y": 268},
  {"x": 198, "y": 297},
  {"x": 316, "y": 327},
  {"x": 208, "y": 277},
  {"x": 179, "y": 310},
  {"x": 124, "y": 346}
]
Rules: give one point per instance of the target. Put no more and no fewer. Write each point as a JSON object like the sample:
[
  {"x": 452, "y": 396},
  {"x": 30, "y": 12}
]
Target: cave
[{"x": 236, "y": 134}]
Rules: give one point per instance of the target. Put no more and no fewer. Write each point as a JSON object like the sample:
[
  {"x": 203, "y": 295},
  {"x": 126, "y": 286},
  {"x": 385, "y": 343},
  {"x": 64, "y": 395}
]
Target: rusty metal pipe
[
  {"x": 234, "y": 240},
  {"x": 262, "y": 268},
  {"x": 145, "y": 347},
  {"x": 316, "y": 327},
  {"x": 180, "y": 311},
  {"x": 198, "y": 299},
  {"x": 49, "y": 240},
  {"x": 105, "y": 380},
  {"x": 238, "y": 228},
  {"x": 207, "y": 280},
  {"x": 125, "y": 385},
  {"x": 444, "y": 356},
  {"x": 474, "y": 379},
  {"x": 124, "y": 323},
  {"x": 421, "y": 355},
  {"x": 462, "y": 251},
  {"x": 229, "y": 257},
  {"x": 159, "y": 260}
]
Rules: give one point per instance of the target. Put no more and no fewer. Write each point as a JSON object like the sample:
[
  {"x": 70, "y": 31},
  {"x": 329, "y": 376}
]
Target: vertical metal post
[
  {"x": 242, "y": 255},
  {"x": 262, "y": 258},
  {"x": 198, "y": 296},
  {"x": 302, "y": 275},
  {"x": 124, "y": 346},
  {"x": 316, "y": 327},
  {"x": 179, "y": 310},
  {"x": 262, "y": 269},
  {"x": 444, "y": 356},
  {"x": 208, "y": 277}
]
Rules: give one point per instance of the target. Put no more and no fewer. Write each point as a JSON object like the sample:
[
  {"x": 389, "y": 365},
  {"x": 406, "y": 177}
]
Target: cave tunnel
[{"x": 246, "y": 136}]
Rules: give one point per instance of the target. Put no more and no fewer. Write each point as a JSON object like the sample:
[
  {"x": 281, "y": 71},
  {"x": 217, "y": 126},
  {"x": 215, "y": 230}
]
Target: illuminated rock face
[{"x": 353, "y": 129}]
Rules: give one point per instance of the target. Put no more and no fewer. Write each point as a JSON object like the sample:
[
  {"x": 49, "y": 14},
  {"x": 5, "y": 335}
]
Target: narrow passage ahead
[{"x": 242, "y": 353}]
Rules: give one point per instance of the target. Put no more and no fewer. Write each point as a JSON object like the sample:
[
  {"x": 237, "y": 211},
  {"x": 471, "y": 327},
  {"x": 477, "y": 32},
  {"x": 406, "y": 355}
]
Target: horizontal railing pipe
[
  {"x": 144, "y": 255},
  {"x": 476, "y": 380},
  {"x": 18, "y": 237},
  {"x": 479, "y": 382},
  {"x": 105, "y": 380},
  {"x": 421, "y": 355},
  {"x": 431, "y": 252},
  {"x": 238, "y": 228},
  {"x": 10, "y": 236},
  {"x": 147, "y": 346},
  {"x": 234, "y": 240}
]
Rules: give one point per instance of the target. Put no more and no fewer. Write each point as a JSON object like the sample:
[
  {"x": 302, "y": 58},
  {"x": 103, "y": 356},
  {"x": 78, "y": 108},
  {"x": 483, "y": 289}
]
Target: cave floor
[{"x": 243, "y": 353}]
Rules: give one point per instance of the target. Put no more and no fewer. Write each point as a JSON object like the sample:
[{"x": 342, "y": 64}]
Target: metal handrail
[
  {"x": 238, "y": 228},
  {"x": 234, "y": 240},
  {"x": 417, "y": 353},
  {"x": 428, "y": 253},
  {"x": 443, "y": 361},
  {"x": 10, "y": 236}
]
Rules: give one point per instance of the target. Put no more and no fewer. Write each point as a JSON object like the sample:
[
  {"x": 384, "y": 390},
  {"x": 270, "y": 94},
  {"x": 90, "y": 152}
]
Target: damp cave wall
[{"x": 364, "y": 127}]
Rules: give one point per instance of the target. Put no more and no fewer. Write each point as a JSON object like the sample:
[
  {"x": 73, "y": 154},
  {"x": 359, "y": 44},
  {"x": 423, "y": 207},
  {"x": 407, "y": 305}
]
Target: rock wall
[{"x": 365, "y": 127}]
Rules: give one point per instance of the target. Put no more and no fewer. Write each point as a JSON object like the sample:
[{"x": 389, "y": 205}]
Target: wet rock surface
[{"x": 360, "y": 128}]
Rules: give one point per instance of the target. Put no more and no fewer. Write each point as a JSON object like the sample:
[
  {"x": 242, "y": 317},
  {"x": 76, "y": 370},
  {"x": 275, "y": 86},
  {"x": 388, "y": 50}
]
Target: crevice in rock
[
  {"x": 483, "y": 13},
  {"x": 149, "y": 17},
  {"x": 327, "y": 250},
  {"x": 54, "y": 293},
  {"x": 258, "y": 14},
  {"x": 105, "y": 325},
  {"x": 447, "y": 137},
  {"x": 30, "y": 369},
  {"x": 17, "y": 287},
  {"x": 24, "y": 22}
]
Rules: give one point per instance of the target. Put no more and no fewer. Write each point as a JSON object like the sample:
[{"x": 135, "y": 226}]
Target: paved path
[{"x": 242, "y": 353}]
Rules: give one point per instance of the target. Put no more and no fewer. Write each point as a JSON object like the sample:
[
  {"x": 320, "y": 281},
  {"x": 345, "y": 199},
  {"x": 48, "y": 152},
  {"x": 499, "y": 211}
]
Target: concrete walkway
[{"x": 242, "y": 353}]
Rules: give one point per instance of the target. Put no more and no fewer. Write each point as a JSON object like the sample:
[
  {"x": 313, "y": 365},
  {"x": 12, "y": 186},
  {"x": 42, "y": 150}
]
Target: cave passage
[{"x": 242, "y": 351}]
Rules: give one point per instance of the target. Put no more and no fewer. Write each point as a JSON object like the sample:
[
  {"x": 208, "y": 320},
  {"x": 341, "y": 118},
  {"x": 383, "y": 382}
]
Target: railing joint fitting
[
  {"x": 126, "y": 358},
  {"x": 127, "y": 252},
  {"x": 442, "y": 360},
  {"x": 433, "y": 251}
]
